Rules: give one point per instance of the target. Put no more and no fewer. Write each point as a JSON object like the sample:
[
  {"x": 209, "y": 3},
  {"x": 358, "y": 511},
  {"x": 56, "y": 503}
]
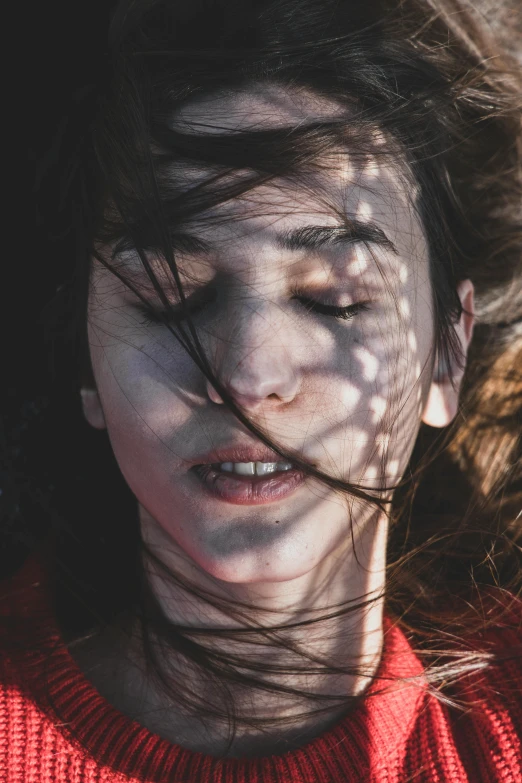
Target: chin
[{"x": 254, "y": 568}]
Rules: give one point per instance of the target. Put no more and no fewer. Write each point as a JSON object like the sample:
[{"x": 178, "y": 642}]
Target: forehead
[
  {"x": 260, "y": 106},
  {"x": 344, "y": 181},
  {"x": 376, "y": 190}
]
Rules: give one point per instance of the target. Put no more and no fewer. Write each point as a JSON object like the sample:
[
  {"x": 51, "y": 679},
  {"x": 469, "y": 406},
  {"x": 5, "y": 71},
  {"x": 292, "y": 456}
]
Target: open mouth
[
  {"x": 249, "y": 483},
  {"x": 249, "y": 470}
]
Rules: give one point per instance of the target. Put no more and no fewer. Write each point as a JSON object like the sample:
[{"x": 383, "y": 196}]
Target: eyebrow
[
  {"x": 317, "y": 237},
  {"x": 296, "y": 239}
]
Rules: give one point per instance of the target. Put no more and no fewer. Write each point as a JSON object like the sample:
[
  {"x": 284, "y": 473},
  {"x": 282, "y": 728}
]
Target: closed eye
[
  {"x": 345, "y": 313},
  {"x": 177, "y": 313},
  {"x": 196, "y": 303}
]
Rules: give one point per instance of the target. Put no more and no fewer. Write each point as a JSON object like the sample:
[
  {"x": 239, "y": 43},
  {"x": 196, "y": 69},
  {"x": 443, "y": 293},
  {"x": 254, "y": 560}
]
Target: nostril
[{"x": 252, "y": 386}]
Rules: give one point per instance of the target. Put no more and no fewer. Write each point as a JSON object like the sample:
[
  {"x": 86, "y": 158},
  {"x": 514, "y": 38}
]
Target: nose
[{"x": 255, "y": 361}]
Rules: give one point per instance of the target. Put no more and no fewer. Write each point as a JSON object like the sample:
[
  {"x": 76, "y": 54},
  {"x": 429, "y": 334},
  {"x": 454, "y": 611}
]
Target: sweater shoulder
[{"x": 487, "y": 725}]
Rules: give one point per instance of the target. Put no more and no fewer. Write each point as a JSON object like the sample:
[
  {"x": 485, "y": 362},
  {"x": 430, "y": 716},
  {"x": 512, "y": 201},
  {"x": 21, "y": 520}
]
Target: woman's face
[{"x": 347, "y": 394}]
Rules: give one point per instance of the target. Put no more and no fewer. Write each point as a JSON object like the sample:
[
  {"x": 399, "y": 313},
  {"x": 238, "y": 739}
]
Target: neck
[{"x": 335, "y": 657}]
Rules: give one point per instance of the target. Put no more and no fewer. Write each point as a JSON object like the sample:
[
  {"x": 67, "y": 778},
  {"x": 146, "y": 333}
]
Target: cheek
[
  {"x": 405, "y": 396},
  {"x": 148, "y": 398},
  {"x": 386, "y": 388},
  {"x": 360, "y": 406}
]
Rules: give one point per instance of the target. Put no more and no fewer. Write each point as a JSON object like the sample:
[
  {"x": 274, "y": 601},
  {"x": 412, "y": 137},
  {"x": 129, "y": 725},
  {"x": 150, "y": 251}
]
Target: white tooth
[
  {"x": 227, "y": 466},
  {"x": 284, "y": 465},
  {"x": 245, "y": 468},
  {"x": 262, "y": 468}
]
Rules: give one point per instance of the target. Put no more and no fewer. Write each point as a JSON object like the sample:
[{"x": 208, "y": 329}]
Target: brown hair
[{"x": 431, "y": 75}]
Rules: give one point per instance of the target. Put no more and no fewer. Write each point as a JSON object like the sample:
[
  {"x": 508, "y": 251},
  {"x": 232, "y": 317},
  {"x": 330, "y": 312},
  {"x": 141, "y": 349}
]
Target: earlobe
[
  {"x": 92, "y": 409},
  {"x": 443, "y": 397},
  {"x": 442, "y": 404}
]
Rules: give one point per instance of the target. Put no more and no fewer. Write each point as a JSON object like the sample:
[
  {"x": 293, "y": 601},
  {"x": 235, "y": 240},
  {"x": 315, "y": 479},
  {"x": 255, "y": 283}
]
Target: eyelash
[
  {"x": 342, "y": 313},
  {"x": 346, "y": 313}
]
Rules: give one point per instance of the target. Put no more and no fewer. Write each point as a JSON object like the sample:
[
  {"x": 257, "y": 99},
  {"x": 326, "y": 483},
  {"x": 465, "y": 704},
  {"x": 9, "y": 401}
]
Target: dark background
[{"x": 55, "y": 60}]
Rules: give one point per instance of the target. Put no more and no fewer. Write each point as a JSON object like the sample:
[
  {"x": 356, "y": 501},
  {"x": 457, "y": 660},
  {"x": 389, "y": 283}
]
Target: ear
[
  {"x": 92, "y": 409},
  {"x": 443, "y": 397}
]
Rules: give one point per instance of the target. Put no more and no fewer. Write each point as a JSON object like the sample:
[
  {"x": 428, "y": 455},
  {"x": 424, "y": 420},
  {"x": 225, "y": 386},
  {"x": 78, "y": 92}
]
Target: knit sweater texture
[{"x": 56, "y": 728}]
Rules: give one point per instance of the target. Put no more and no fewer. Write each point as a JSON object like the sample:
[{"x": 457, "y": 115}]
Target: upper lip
[{"x": 259, "y": 453}]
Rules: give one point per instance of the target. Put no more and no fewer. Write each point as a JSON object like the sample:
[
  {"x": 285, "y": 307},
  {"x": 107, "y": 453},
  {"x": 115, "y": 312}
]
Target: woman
[{"x": 296, "y": 307}]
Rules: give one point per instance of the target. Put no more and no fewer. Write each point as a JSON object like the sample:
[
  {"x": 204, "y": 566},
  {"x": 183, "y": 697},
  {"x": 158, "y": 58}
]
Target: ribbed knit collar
[{"x": 373, "y": 736}]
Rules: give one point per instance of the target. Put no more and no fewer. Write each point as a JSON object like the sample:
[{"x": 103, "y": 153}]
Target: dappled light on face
[
  {"x": 377, "y": 407},
  {"x": 392, "y": 469},
  {"x": 351, "y": 408},
  {"x": 404, "y": 307},
  {"x": 359, "y": 263},
  {"x": 371, "y": 169},
  {"x": 368, "y": 363},
  {"x": 403, "y": 273},
  {"x": 364, "y": 210},
  {"x": 372, "y": 475},
  {"x": 412, "y": 340},
  {"x": 344, "y": 165},
  {"x": 382, "y": 443},
  {"x": 350, "y": 396}
]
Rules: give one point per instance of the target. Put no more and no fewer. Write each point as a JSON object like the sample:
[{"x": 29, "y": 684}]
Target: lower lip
[{"x": 245, "y": 490}]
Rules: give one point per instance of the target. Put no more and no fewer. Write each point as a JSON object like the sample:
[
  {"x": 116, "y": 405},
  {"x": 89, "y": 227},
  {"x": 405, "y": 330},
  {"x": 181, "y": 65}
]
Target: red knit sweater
[{"x": 56, "y": 728}]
